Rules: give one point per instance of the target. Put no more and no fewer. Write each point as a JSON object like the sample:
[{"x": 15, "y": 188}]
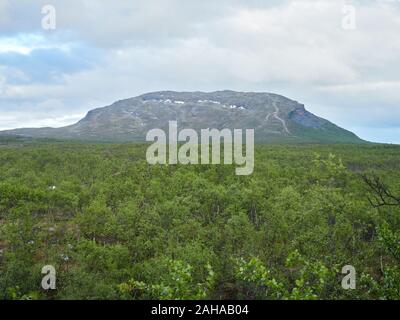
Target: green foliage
[
  {"x": 176, "y": 283},
  {"x": 304, "y": 280},
  {"x": 115, "y": 227},
  {"x": 388, "y": 286}
]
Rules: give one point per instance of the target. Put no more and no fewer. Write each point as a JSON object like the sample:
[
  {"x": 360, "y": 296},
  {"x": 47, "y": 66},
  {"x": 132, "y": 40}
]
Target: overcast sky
[{"x": 103, "y": 51}]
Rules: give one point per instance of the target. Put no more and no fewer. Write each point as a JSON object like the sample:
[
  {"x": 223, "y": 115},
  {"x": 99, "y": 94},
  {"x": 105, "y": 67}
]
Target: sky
[{"x": 341, "y": 58}]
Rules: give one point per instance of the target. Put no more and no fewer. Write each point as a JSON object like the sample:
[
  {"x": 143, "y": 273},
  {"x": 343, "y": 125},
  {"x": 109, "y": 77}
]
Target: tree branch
[{"x": 382, "y": 196}]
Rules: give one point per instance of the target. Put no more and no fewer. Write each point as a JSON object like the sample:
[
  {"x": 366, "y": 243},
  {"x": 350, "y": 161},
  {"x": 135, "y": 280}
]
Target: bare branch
[{"x": 382, "y": 196}]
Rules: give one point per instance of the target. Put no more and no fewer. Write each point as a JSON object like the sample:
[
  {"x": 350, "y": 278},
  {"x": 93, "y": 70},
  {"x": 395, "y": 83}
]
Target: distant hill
[{"x": 274, "y": 118}]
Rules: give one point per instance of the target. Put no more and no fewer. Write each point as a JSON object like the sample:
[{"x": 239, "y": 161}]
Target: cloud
[
  {"x": 42, "y": 65},
  {"x": 109, "y": 50},
  {"x": 48, "y": 113}
]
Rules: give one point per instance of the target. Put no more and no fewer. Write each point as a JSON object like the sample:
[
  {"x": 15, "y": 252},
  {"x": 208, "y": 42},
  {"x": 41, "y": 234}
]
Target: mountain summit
[{"x": 274, "y": 118}]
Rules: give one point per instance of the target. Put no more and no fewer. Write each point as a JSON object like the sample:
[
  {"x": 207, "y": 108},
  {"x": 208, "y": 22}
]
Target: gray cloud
[{"x": 296, "y": 48}]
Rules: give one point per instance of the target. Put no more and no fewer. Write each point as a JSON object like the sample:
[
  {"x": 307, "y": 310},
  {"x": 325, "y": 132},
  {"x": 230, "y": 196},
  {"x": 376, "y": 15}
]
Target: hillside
[{"x": 274, "y": 118}]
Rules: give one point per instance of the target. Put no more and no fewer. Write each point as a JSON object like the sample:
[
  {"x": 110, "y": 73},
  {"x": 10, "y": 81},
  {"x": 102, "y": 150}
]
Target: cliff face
[
  {"x": 274, "y": 118},
  {"x": 301, "y": 116}
]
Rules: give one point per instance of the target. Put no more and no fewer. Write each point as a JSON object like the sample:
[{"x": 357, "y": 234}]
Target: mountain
[{"x": 274, "y": 118}]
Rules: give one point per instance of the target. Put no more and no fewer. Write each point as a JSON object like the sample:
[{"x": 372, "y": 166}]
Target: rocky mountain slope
[{"x": 274, "y": 118}]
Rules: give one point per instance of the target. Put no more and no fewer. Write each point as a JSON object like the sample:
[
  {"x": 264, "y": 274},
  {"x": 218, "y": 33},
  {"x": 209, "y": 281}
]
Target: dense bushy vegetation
[{"x": 115, "y": 227}]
